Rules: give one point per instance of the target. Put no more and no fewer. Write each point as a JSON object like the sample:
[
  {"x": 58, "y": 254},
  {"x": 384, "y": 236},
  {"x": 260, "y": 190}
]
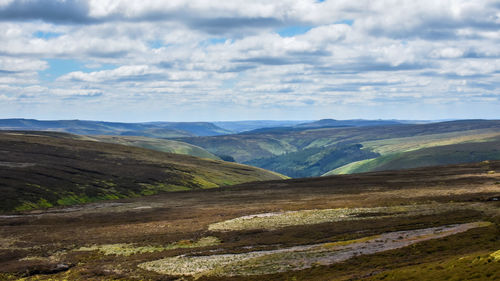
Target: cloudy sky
[{"x": 179, "y": 60}]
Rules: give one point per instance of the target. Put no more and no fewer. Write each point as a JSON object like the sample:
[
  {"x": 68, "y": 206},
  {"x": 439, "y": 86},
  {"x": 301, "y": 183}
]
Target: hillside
[
  {"x": 83, "y": 127},
  {"x": 313, "y": 161},
  {"x": 299, "y": 151},
  {"x": 347, "y": 123},
  {"x": 40, "y": 169},
  {"x": 421, "y": 224},
  {"x": 163, "y": 145},
  {"x": 249, "y": 125},
  {"x": 195, "y": 128},
  {"x": 425, "y": 157}
]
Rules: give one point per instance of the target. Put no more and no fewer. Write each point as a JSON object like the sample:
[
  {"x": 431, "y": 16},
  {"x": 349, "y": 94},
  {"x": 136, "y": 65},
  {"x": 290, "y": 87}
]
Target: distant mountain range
[
  {"x": 150, "y": 129},
  {"x": 175, "y": 129},
  {"x": 300, "y": 148},
  {"x": 249, "y": 125}
]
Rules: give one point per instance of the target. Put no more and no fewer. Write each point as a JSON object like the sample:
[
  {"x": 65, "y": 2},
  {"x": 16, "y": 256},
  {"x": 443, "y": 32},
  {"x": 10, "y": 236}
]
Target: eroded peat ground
[{"x": 428, "y": 224}]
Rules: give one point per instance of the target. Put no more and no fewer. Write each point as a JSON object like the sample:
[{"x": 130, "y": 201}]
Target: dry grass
[
  {"x": 298, "y": 257},
  {"x": 381, "y": 200},
  {"x": 124, "y": 249},
  {"x": 305, "y": 217}
]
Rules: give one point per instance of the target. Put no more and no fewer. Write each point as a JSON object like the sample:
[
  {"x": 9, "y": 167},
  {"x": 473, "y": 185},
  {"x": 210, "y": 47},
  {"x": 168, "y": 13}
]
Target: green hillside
[
  {"x": 425, "y": 157},
  {"x": 304, "y": 151},
  {"x": 163, "y": 145},
  {"x": 313, "y": 161},
  {"x": 39, "y": 169}
]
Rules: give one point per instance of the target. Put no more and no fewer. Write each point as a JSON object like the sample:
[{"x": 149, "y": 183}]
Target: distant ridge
[
  {"x": 84, "y": 127},
  {"x": 347, "y": 123}
]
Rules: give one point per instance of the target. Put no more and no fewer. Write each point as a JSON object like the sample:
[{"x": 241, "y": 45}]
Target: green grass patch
[
  {"x": 42, "y": 203},
  {"x": 469, "y": 267},
  {"x": 306, "y": 217},
  {"x": 125, "y": 249}
]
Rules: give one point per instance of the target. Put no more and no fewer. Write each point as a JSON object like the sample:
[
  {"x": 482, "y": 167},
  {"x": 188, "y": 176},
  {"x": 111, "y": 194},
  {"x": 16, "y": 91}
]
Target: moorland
[
  {"x": 45, "y": 169},
  {"x": 370, "y": 200},
  {"x": 418, "y": 224}
]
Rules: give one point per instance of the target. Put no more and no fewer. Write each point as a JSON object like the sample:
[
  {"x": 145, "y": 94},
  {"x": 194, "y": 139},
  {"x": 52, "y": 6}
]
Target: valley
[{"x": 302, "y": 151}]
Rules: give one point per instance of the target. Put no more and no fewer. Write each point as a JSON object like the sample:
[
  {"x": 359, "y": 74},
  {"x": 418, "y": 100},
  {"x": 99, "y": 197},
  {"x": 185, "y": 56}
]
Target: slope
[
  {"x": 420, "y": 224},
  {"x": 163, "y": 145},
  {"x": 425, "y": 157},
  {"x": 48, "y": 169},
  {"x": 314, "y": 161},
  {"x": 195, "y": 128},
  {"x": 294, "y": 149},
  {"x": 84, "y": 127}
]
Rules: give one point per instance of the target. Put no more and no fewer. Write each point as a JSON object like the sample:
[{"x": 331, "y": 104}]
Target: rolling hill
[
  {"x": 308, "y": 151},
  {"x": 195, "y": 128},
  {"x": 150, "y": 129},
  {"x": 44, "y": 169},
  {"x": 249, "y": 125},
  {"x": 314, "y": 161},
  {"x": 163, "y": 145},
  {"x": 346, "y": 123},
  {"x": 467, "y": 152}
]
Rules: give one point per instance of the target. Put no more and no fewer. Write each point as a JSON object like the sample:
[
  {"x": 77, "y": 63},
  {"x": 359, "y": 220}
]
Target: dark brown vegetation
[
  {"x": 43, "y": 169},
  {"x": 40, "y": 246}
]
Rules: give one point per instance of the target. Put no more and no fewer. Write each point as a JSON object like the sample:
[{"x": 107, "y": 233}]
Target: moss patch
[
  {"x": 470, "y": 267},
  {"x": 305, "y": 217},
  {"x": 125, "y": 249}
]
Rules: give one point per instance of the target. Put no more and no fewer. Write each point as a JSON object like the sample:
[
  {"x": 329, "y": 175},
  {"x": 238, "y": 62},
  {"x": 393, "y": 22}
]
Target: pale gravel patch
[
  {"x": 142, "y": 208},
  {"x": 298, "y": 257}
]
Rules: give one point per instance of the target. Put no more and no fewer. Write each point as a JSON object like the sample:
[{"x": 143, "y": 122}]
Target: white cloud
[{"x": 199, "y": 54}]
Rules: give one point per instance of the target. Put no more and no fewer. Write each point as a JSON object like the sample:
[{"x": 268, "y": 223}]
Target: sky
[{"x": 200, "y": 60}]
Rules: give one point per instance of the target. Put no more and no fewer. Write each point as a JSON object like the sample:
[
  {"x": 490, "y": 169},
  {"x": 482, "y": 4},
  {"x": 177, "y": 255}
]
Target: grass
[
  {"x": 296, "y": 258},
  {"x": 477, "y": 266},
  {"x": 383, "y": 206},
  {"x": 312, "y": 152},
  {"x": 431, "y": 156},
  {"x": 162, "y": 145},
  {"x": 349, "y": 168},
  {"x": 393, "y": 145},
  {"x": 65, "y": 170},
  {"x": 496, "y": 255},
  {"x": 124, "y": 249},
  {"x": 313, "y": 161},
  {"x": 305, "y": 217}
]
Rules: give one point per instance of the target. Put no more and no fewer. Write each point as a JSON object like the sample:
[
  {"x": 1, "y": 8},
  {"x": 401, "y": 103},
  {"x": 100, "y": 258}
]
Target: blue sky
[{"x": 217, "y": 60}]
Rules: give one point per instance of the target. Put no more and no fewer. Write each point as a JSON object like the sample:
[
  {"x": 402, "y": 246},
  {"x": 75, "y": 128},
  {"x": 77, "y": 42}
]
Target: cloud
[
  {"x": 58, "y": 11},
  {"x": 185, "y": 59},
  {"x": 121, "y": 74}
]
